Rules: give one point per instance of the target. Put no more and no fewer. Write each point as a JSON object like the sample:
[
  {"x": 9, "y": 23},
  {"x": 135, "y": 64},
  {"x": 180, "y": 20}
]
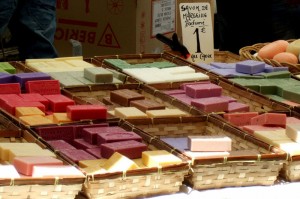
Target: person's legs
[
  {"x": 7, "y": 9},
  {"x": 34, "y": 27}
]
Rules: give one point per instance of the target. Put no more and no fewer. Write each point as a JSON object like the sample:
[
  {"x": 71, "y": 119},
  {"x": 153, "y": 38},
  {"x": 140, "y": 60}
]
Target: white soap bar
[
  {"x": 178, "y": 70},
  {"x": 293, "y": 132},
  {"x": 8, "y": 171},
  {"x": 56, "y": 171}
]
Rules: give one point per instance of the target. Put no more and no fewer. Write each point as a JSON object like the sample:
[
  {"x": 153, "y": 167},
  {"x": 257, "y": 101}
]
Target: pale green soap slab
[
  {"x": 292, "y": 94},
  {"x": 6, "y": 66},
  {"x": 277, "y": 74},
  {"x": 276, "y": 98},
  {"x": 117, "y": 75},
  {"x": 98, "y": 75}
]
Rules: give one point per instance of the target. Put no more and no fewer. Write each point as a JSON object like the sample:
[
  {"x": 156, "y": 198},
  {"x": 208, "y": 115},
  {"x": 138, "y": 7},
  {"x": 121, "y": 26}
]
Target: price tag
[{"x": 197, "y": 31}]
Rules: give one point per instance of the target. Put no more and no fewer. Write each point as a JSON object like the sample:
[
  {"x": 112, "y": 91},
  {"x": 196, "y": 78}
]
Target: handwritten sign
[{"x": 197, "y": 31}]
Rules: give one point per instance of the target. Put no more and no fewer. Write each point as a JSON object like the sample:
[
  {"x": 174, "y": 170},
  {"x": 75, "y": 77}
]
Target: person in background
[
  {"x": 244, "y": 23},
  {"x": 32, "y": 24}
]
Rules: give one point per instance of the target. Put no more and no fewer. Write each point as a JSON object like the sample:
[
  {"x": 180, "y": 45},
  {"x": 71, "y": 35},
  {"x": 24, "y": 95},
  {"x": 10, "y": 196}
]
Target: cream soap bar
[
  {"x": 159, "y": 158},
  {"x": 270, "y": 136},
  {"x": 293, "y": 132},
  {"x": 118, "y": 162},
  {"x": 98, "y": 75},
  {"x": 5, "y": 147},
  {"x": 209, "y": 143},
  {"x": 166, "y": 113},
  {"x": 129, "y": 113},
  {"x": 8, "y": 172},
  {"x": 21, "y": 153},
  {"x": 56, "y": 171}
]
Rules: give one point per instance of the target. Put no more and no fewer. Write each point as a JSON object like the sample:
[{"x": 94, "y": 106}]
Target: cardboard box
[{"x": 103, "y": 27}]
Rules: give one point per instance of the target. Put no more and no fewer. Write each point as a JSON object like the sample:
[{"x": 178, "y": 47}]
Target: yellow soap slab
[
  {"x": 159, "y": 158},
  {"x": 92, "y": 163},
  {"x": 28, "y": 111},
  {"x": 129, "y": 113},
  {"x": 35, "y": 120},
  {"x": 270, "y": 136},
  {"x": 119, "y": 162},
  {"x": 293, "y": 132},
  {"x": 79, "y": 63},
  {"x": 140, "y": 163},
  {"x": 5, "y": 147},
  {"x": 20, "y": 152},
  {"x": 280, "y": 143},
  {"x": 61, "y": 118},
  {"x": 166, "y": 113}
]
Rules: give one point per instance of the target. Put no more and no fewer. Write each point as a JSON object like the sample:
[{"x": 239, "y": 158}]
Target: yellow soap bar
[
  {"x": 293, "y": 132},
  {"x": 159, "y": 158},
  {"x": 92, "y": 170},
  {"x": 92, "y": 163},
  {"x": 28, "y": 111},
  {"x": 166, "y": 113},
  {"x": 5, "y": 147},
  {"x": 270, "y": 136},
  {"x": 35, "y": 120},
  {"x": 119, "y": 162},
  {"x": 280, "y": 143},
  {"x": 140, "y": 163},
  {"x": 129, "y": 113},
  {"x": 20, "y": 152},
  {"x": 61, "y": 118}
]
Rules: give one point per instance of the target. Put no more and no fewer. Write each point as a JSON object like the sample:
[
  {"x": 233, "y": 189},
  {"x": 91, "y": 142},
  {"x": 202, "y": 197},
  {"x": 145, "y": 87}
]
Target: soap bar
[
  {"x": 87, "y": 111},
  {"x": 206, "y": 154},
  {"x": 6, "y": 78},
  {"x": 174, "y": 112},
  {"x": 238, "y": 107},
  {"x": 223, "y": 65},
  {"x": 159, "y": 158},
  {"x": 130, "y": 148},
  {"x": 60, "y": 145},
  {"x": 293, "y": 132},
  {"x": 91, "y": 163},
  {"x": 98, "y": 75},
  {"x": 24, "y": 165},
  {"x": 78, "y": 129},
  {"x": 123, "y": 97},
  {"x": 35, "y": 97},
  {"x": 82, "y": 144},
  {"x": 5, "y": 147},
  {"x": 8, "y": 172},
  {"x": 34, "y": 120},
  {"x": 59, "y": 103},
  {"x": 90, "y": 134},
  {"x": 10, "y": 106},
  {"x": 293, "y": 149},
  {"x": 174, "y": 91},
  {"x": 250, "y": 66},
  {"x": 270, "y": 136},
  {"x": 43, "y": 87},
  {"x": 129, "y": 113},
  {"x": 183, "y": 98},
  {"x": 211, "y": 104},
  {"x": 118, "y": 162},
  {"x": 95, "y": 152},
  {"x": 21, "y": 152},
  {"x": 203, "y": 90},
  {"x": 146, "y": 104},
  {"x": 59, "y": 118},
  {"x": 65, "y": 133},
  {"x": 209, "y": 143},
  {"x": 269, "y": 119},
  {"x": 22, "y": 78},
  {"x": 252, "y": 128},
  {"x": 27, "y": 111},
  {"x": 8, "y": 67},
  {"x": 10, "y": 88},
  {"x": 292, "y": 120},
  {"x": 77, "y": 155},
  {"x": 60, "y": 171},
  {"x": 116, "y": 137},
  {"x": 240, "y": 119}
]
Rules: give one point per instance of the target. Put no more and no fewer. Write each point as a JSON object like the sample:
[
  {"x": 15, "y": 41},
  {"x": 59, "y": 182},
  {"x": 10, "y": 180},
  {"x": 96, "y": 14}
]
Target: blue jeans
[{"x": 32, "y": 24}]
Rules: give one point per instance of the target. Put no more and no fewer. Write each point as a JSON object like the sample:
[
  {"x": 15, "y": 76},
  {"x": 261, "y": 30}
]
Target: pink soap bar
[
  {"x": 90, "y": 134},
  {"x": 82, "y": 144},
  {"x": 65, "y": 133},
  {"x": 183, "y": 85},
  {"x": 174, "y": 91},
  {"x": 228, "y": 98},
  {"x": 292, "y": 120},
  {"x": 78, "y": 129},
  {"x": 116, "y": 137},
  {"x": 78, "y": 155},
  {"x": 240, "y": 119},
  {"x": 203, "y": 90},
  {"x": 95, "y": 152},
  {"x": 24, "y": 165},
  {"x": 237, "y": 107},
  {"x": 84, "y": 112},
  {"x": 211, "y": 104},
  {"x": 130, "y": 148},
  {"x": 59, "y": 103},
  {"x": 35, "y": 97},
  {"x": 251, "y": 128},
  {"x": 10, "y": 106},
  {"x": 183, "y": 98},
  {"x": 269, "y": 119},
  {"x": 60, "y": 144},
  {"x": 209, "y": 143},
  {"x": 10, "y": 88},
  {"x": 43, "y": 87}
]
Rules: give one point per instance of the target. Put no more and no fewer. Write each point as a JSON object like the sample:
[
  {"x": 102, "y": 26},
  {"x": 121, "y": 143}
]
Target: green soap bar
[
  {"x": 276, "y": 98},
  {"x": 116, "y": 62},
  {"x": 268, "y": 90},
  {"x": 251, "y": 76},
  {"x": 254, "y": 87},
  {"x": 292, "y": 94},
  {"x": 117, "y": 81},
  {"x": 98, "y": 75},
  {"x": 277, "y": 74},
  {"x": 6, "y": 66}
]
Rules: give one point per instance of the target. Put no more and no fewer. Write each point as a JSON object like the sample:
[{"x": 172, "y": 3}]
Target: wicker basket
[
  {"x": 208, "y": 173},
  {"x": 248, "y": 52},
  {"x": 34, "y": 187}
]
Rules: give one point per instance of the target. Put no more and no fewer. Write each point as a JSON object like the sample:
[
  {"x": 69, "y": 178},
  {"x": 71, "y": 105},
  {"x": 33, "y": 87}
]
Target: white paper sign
[{"x": 197, "y": 31}]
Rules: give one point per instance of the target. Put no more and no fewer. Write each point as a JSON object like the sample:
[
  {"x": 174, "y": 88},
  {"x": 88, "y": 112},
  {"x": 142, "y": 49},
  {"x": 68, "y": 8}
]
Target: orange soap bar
[
  {"x": 24, "y": 165},
  {"x": 269, "y": 119}
]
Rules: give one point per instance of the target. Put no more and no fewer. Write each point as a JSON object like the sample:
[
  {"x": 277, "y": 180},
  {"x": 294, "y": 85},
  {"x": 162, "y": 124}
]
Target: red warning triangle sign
[{"x": 108, "y": 38}]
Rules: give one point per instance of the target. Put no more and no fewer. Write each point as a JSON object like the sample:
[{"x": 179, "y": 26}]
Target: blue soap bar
[
  {"x": 6, "y": 78},
  {"x": 22, "y": 78},
  {"x": 250, "y": 66}
]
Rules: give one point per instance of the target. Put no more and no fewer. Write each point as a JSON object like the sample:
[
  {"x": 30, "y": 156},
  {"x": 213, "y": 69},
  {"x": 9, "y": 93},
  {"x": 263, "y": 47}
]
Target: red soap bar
[
  {"x": 183, "y": 98},
  {"x": 60, "y": 144},
  {"x": 211, "y": 104},
  {"x": 7, "y": 98},
  {"x": 237, "y": 107},
  {"x": 86, "y": 112},
  {"x": 10, "y": 88},
  {"x": 78, "y": 129},
  {"x": 65, "y": 133},
  {"x": 251, "y": 128},
  {"x": 269, "y": 119},
  {"x": 35, "y": 97},
  {"x": 130, "y": 148},
  {"x": 59, "y": 103},
  {"x": 10, "y": 106},
  {"x": 240, "y": 119},
  {"x": 116, "y": 137},
  {"x": 78, "y": 155},
  {"x": 203, "y": 90},
  {"x": 90, "y": 134},
  {"x": 95, "y": 152},
  {"x": 43, "y": 87},
  {"x": 82, "y": 144}
]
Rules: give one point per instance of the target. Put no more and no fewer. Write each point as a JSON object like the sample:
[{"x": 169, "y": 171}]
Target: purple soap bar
[
  {"x": 78, "y": 129},
  {"x": 211, "y": 104},
  {"x": 203, "y": 90},
  {"x": 6, "y": 78},
  {"x": 65, "y": 133},
  {"x": 60, "y": 144},
  {"x": 238, "y": 107},
  {"x": 95, "y": 152},
  {"x": 269, "y": 68},
  {"x": 222, "y": 65},
  {"x": 205, "y": 66},
  {"x": 22, "y": 78},
  {"x": 82, "y": 144},
  {"x": 227, "y": 72},
  {"x": 90, "y": 134},
  {"x": 131, "y": 149},
  {"x": 77, "y": 155},
  {"x": 117, "y": 137},
  {"x": 183, "y": 98},
  {"x": 183, "y": 85},
  {"x": 250, "y": 66}
]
